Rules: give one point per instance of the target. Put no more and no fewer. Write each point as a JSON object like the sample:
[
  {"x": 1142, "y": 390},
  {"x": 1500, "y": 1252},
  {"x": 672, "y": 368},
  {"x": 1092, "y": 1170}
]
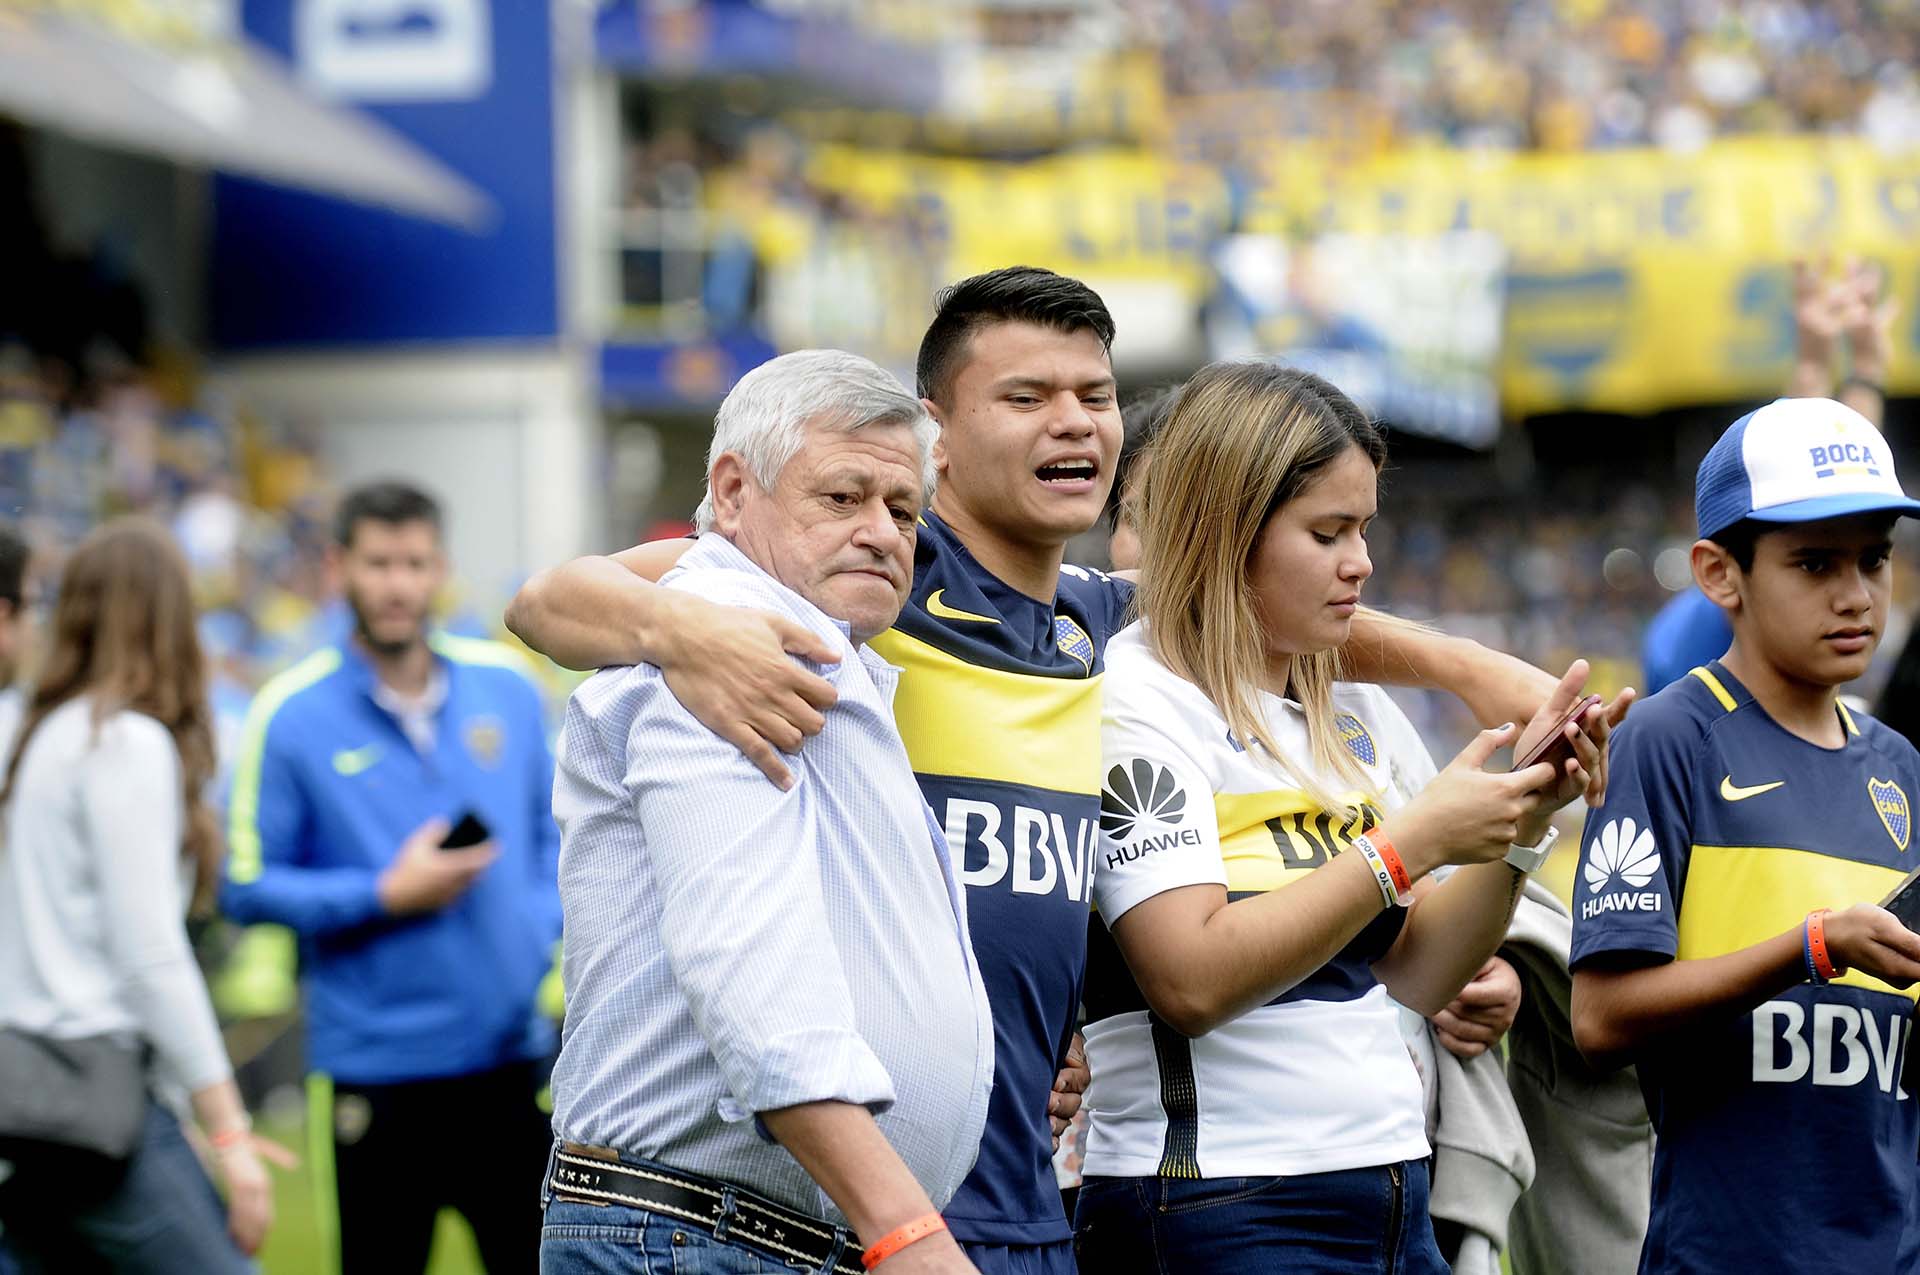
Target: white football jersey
[{"x": 1317, "y": 1079}]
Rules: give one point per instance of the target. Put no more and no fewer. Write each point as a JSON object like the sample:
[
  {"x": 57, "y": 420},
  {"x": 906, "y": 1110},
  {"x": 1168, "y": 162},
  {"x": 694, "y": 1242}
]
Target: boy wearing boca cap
[{"x": 1725, "y": 937}]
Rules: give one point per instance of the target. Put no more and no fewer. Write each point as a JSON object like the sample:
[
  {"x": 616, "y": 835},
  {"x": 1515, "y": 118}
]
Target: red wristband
[
  {"x": 1817, "y": 944},
  {"x": 227, "y": 1139},
  {"x": 1391, "y": 857},
  {"x": 901, "y": 1236}
]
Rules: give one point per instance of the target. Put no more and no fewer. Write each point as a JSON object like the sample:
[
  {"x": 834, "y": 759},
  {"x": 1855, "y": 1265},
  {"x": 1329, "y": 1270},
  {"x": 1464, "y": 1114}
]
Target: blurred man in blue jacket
[{"x": 420, "y": 962}]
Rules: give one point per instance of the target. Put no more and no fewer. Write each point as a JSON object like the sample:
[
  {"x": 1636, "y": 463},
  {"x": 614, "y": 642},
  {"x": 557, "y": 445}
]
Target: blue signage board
[
  {"x": 469, "y": 81},
  {"x": 640, "y": 375},
  {"x": 739, "y": 37}
]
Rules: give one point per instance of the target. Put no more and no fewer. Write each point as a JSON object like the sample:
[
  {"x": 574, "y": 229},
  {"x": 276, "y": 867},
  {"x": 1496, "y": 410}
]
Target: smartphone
[
  {"x": 1554, "y": 746},
  {"x": 1904, "y": 902},
  {"x": 470, "y": 830}
]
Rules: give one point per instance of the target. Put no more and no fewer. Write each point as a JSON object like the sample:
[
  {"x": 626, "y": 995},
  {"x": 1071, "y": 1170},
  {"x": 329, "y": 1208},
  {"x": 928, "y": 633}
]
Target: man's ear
[
  {"x": 729, "y": 483},
  {"x": 939, "y": 439},
  {"x": 1717, "y": 574}
]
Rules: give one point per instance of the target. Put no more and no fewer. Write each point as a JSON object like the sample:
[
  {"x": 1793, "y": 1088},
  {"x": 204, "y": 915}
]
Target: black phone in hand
[{"x": 471, "y": 830}]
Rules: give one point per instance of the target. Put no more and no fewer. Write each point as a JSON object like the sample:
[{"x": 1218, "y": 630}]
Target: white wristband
[
  {"x": 1381, "y": 874},
  {"x": 1529, "y": 858}
]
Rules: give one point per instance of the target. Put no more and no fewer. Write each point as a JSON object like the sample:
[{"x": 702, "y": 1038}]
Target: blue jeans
[
  {"x": 162, "y": 1217},
  {"x": 1370, "y": 1221},
  {"x": 613, "y": 1239}
]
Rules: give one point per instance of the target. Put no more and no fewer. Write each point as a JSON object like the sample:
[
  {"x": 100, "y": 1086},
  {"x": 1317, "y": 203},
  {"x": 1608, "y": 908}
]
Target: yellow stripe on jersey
[
  {"x": 1271, "y": 839},
  {"x": 245, "y": 859},
  {"x": 971, "y": 722},
  {"x": 1741, "y": 895},
  {"x": 1714, "y": 684},
  {"x": 1847, "y": 717}
]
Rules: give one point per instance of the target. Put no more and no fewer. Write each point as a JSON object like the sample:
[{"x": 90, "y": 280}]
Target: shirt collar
[
  {"x": 427, "y": 704},
  {"x": 359, "y": 669},
  {"x": 715, "y": 550}
]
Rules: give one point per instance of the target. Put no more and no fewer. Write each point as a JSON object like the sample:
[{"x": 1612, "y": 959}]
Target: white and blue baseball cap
[{"x": 1797, "y": 460}]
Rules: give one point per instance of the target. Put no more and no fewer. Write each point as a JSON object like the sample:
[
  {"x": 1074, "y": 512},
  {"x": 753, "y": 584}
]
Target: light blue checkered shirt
[{"x": 732, "y": 949}]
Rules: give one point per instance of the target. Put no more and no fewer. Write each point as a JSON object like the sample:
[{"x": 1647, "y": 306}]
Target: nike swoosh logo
[
  {"x": 936, "y": 607},
  {"x": 352, "y": 761},
  {"x": 1732, "y": 793}
]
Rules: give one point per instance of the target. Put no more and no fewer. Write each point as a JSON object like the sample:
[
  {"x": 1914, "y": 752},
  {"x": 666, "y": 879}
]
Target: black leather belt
[{"x": 594, "y": 1175}]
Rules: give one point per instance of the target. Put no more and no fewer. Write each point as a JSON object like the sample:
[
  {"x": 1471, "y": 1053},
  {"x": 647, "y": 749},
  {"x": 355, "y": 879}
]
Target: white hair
[{"x": 765, "y": 417}]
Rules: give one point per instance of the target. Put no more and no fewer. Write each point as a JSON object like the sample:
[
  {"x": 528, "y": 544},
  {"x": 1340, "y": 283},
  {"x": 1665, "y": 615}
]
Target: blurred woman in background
[{"x": 107, "y": 842}]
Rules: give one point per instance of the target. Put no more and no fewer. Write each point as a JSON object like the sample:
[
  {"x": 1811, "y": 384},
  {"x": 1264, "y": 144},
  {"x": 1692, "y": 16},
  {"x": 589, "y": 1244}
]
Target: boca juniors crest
[
  {"x": 486, "y": 737},
  {"x": 1891, "y": 805},
  {"x": 1073, "y": 639},
  {"x": 1354, "y": 735}
]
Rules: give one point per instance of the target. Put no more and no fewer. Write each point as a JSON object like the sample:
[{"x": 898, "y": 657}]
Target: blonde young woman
[
  {"x": 1264, "y": 882},
  {"x": 106, "y": 841}
]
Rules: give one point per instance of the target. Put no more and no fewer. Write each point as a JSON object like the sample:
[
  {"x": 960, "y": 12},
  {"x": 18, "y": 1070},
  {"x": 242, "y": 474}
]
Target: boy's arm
[
  {"x": 727, "y": 665},
  {"x": 1617, "y": 1009}
]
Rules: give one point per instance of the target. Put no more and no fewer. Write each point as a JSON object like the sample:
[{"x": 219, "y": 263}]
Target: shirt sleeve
[
  {"x": 131, "y": 801},
  {"x": 268, "y": 877},
  {"x": 744, "y": 926},
  {"x": 1634, "y": 849},
  {"x": 1158, "y": 831}
]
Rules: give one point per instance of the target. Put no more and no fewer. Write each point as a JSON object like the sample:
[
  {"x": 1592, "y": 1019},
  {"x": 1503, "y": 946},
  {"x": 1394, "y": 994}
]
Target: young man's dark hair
[
  {"x": 1738, "y": 540},
  {"x": 14, "y": 555},
  {"x": 1015, "y": 294},
  {"x": 1142, "y": 419},
  {"x": 386, "y": 501}
]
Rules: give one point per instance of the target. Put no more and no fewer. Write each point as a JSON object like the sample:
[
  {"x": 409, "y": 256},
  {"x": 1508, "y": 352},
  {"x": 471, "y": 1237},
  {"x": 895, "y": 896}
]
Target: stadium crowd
[{"x": 1559, "y": 74}]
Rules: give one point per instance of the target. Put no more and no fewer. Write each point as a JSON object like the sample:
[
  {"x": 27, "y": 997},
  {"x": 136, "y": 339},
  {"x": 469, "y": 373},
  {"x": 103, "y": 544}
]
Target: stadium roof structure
[{"x": 218, "y": 104}]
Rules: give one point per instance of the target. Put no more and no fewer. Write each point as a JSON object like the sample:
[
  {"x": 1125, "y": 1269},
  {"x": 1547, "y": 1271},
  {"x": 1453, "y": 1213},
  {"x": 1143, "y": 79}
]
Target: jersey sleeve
[
  {"x": 1157, "y": 826},
  {"x": 1634, "y": 849}
]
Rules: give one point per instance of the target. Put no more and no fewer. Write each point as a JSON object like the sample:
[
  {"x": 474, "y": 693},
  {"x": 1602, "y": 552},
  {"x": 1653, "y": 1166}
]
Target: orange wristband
[
  {"x": 227, "y": 1139},
  {"x": 1401, "y": 881},
  {"x": 901, "y": 1236},
  {"x": 1817, "y": 946}
]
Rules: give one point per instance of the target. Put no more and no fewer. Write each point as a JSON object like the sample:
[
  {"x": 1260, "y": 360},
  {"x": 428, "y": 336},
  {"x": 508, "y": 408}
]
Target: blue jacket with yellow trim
[{"x": 326, "y": 788}]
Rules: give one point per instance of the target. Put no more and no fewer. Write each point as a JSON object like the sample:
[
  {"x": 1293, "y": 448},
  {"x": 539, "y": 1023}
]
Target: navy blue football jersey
[
  {"x": 1785, "y": 1139},
  {"x": 999, "y": 705}
]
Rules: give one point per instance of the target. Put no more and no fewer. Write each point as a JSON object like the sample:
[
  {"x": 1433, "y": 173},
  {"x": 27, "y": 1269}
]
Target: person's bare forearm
[
  {"x": 1495, "y": 686},
  {"x": 1199, "y": 968},
  {"x": 843, "y": 1150},
  {"x": 589, "y": 613},
  {"x": 1865, "y": 397},
  {"x": 1450, "y": 933},
  {"x": 1617, "y": 1012}
]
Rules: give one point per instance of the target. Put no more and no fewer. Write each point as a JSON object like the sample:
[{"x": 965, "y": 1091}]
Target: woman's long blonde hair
[
  {"x": 1242, "y": 440},
  {"x": 124, "y": 633}
]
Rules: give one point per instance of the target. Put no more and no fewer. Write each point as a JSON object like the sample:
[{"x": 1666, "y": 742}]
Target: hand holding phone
[
  {"x": 1904, "y": 901},
  {"x": 471, "y": 830},
  {"x": 1554, "y": 746}
]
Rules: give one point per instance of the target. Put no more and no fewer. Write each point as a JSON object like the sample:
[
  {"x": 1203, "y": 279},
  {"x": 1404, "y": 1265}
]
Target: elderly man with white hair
[{"x": 778, "y": 1049}]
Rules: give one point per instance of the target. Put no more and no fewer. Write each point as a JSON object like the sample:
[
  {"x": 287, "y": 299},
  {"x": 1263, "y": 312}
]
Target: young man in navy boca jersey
[
  {"x": 998, "y": 702},
  {"x": 1725, "y": 934}
]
